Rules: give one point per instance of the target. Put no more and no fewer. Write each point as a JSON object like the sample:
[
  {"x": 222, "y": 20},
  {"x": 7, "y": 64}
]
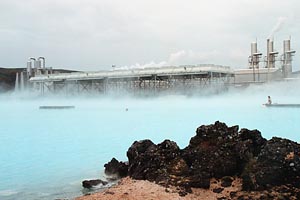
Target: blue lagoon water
[{"x": 45, "y": 154}]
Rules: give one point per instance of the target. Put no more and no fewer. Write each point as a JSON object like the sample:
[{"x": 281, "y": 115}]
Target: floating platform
[
  {"x": 56, "y": 107},
  {"x": 282, "y": 105}
]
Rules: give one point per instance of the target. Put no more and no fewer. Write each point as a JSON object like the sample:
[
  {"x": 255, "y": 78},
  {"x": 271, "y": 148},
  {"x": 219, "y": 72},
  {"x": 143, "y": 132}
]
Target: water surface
[{"x": 45, "y": 154}]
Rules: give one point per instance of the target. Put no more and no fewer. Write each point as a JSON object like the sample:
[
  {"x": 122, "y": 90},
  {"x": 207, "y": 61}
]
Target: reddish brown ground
[{"x": 129, "y": 189}]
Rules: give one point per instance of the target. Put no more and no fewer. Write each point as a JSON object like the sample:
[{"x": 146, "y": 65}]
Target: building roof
[{"x": 136, "y": 72}]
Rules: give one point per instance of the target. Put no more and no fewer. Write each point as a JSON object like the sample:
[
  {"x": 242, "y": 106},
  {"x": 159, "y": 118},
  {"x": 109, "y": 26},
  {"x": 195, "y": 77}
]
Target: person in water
[{"x": 269, "y": 100}]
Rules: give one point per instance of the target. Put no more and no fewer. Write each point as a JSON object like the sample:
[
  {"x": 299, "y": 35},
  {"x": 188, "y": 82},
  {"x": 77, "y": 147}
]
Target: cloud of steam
[
  {"x": 280, "y": 22},
  {"x": 192, "y": 57},
  {"x": 143, "y": 66},
  {"x": 178, "y": 58}
]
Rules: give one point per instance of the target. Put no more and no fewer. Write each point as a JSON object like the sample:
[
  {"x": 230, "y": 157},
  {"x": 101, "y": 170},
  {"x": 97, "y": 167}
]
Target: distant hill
[{"x": 8, "y": 77}]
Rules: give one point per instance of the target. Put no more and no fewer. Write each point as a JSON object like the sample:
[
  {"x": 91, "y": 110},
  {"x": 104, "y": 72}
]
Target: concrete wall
[{"x": 258, "y": 75}]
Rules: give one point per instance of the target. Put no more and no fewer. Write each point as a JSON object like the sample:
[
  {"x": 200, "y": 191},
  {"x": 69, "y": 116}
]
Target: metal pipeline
[{"x": 44, "y": 64}]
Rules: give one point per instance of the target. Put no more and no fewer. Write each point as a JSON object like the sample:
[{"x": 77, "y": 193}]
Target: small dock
[
  {"x": 283, "y": 105},
  {"x": 56, "y": 107}
]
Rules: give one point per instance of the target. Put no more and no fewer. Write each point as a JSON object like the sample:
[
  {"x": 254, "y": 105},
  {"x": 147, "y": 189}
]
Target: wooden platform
[
  {"x": 56, "y": 107},
  {"x": 283, "y": 105}
]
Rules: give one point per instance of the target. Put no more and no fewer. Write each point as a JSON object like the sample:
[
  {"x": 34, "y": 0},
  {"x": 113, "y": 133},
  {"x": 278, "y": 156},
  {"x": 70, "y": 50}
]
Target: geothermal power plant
[{"x": 271, "y": 66}]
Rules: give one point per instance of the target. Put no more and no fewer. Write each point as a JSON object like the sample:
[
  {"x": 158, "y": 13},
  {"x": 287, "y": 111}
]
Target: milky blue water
[{"x": 45, "y": 154}]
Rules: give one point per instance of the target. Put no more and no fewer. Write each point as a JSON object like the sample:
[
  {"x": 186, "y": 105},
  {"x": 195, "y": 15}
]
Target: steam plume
[{"x": 277, "y": 27}]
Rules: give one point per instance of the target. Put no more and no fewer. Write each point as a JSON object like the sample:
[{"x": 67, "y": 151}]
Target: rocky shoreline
[{"x": 267, "y": 169}]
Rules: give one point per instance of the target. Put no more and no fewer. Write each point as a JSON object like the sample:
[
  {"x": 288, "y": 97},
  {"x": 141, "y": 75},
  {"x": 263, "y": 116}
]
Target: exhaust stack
[
  {"x": 254, "y": 58},
  {"x": 271, "y": 54},
  {"x": 287, "y": 58}
]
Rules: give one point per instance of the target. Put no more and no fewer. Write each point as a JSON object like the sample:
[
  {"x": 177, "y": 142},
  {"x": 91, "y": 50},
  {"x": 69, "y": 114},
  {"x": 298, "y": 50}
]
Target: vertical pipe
[
  {"x": 253, "y": 48},
  {"x": 271, "y": 56},
  {"x": 42, "y": 62},
  {"x": 21, "y": 81},
  {"x": 268, "y": 53},
  {"x": 37, "y": 64},
  {"x": 29, "y": 69},
  {"x": 254, "y": 60},
  {"x": 32, "y": 64},
  {"x": 268, "y": 58},
  {"x": 287, "y": 58},
  {"x": 17, "y": 87},
  {"x": 253, "y": 51},
  {"x": 154, "y": 84},
  {"x": 32, "y": 60}
]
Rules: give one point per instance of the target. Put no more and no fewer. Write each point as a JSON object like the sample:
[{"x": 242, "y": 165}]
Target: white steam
[
  {"x": 178, "y": 58},
  {"x": 278, "y": 26},
  {"x": 151, "y": 64}
]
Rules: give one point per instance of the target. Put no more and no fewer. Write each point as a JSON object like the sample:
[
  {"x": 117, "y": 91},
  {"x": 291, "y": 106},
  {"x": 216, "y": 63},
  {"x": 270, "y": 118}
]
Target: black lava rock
[
  {"x": 90, "y": 183},
  {"x": 278, "y": 163},
  {"x": 114, "y": 167},
  {"x": 216, "y": 151}
]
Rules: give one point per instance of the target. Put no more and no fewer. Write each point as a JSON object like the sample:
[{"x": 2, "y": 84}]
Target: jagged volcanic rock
[
  {"x": 278, "y": 163},
  {"x": 90, "y": 183},
  {"x": 157, "y": 163},
  {"x": 212, "y": 151},
  {"x": 114, "y": 167},
  {"x": 220, "y": 151},
  {"x": 215, "y": 151}
]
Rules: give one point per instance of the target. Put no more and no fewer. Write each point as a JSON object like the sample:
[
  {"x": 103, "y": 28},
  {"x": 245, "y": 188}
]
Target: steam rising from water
[
  {"x": 282, "y": 90},
  {"x": 58, "y": 147}
]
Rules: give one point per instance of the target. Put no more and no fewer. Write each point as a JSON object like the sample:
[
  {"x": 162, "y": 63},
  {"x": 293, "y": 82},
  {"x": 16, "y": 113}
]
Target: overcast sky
[{"x": 96, "y": 34}]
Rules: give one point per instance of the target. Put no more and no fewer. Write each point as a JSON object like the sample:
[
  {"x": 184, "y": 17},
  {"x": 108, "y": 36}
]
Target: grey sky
[{"x": 95, "y": 34}]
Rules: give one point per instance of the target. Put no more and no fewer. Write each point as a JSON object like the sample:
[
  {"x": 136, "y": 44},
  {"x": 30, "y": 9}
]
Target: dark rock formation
[
  {"x": 218, "y": 150},
  {"x": 116, "y": 168},
  {"x": 215, "y": 151},
  {"x": 211, "y": 152},
  {"x": 157, "y": 163},
  {"x": 90, "y": 183},
  {"x": 278, "y": 163}
]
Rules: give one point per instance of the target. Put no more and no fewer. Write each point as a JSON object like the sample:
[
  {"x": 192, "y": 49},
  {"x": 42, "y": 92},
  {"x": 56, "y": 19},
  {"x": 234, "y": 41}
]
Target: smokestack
[
  {"x": 271, "y": 54},
  {"x": 253, "y": 48},
  {"x": 254, "y": 60},
  {"x": 254, "y": 57},
  {"x": 268, "y": 53},
  {"x": 271, "y": 46},
  {"x": 287, "y": 58}
]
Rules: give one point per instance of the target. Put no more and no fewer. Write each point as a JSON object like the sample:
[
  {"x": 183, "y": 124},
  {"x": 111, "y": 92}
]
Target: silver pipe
[
  {"x": 32, "y": 60},
  {"x": 44, "y": 64}
]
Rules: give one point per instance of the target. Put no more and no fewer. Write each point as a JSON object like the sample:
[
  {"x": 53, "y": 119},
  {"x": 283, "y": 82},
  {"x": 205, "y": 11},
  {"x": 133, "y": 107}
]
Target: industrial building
[
  {"x": 169, "y": 79},
  {"x": 138, "y": 81},
  {"x": 35, "y": 67},
  {"x": 272, "y": 67}
]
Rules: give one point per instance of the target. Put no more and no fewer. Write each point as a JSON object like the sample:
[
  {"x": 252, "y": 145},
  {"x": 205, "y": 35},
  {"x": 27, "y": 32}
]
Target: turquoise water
[{"x": 45, "y": 154}]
